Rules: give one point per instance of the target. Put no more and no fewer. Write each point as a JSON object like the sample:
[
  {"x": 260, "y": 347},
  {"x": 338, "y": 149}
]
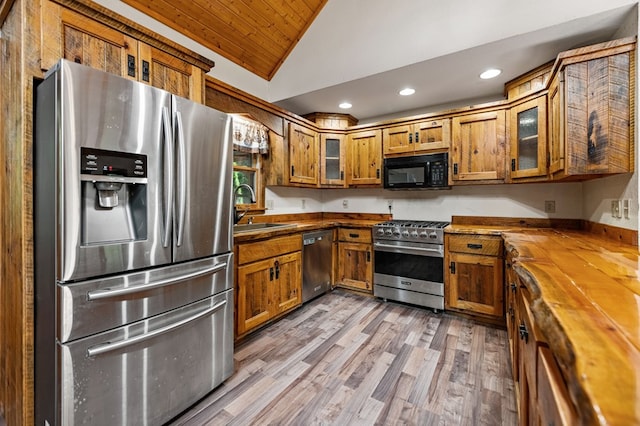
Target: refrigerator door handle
[
  {"x": 107, "y": 293},
  {"x": 182, "y": 178},
  {"x": 168, "y": 181},
  {"x": 112, "y": 346}
]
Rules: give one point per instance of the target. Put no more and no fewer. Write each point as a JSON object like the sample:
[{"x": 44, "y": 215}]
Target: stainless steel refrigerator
[{"x": 133, "y": 250}]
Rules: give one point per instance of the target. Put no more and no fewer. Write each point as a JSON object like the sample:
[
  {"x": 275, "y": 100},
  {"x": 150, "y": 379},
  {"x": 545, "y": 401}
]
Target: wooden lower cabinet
[
  {"x": 541, "y": 391},
  {"x": 268, "y": 282},
  {"x": 474, "y": 281},
  {"x": 355, "y": 259}
]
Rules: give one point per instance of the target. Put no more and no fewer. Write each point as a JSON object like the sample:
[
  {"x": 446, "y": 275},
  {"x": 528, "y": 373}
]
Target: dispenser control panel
[{"x": 104, "y": 163}]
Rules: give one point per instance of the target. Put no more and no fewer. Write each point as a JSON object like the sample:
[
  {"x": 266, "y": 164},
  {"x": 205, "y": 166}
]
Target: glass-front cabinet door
[
  {"x": 332, "y": 160},
  {"x": 528, "y": 141}
]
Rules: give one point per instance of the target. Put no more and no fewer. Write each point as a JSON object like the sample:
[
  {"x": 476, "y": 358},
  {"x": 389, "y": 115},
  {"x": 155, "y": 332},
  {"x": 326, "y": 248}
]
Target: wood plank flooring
[{"x": 347, "y": 359}]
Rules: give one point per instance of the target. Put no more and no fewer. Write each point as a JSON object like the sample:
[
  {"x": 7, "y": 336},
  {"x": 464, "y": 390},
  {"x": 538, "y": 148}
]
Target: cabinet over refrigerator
[{"x": 133, "y": 250}]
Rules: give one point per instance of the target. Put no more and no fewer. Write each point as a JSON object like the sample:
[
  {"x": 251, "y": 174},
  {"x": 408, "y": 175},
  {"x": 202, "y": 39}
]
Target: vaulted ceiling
[
  {"x": 258, "y": 35},
  {"x": 310, "y": 55}
]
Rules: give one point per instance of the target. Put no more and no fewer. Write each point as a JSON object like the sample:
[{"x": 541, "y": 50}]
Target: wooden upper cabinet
[
  {"x": 590, "y": 111},
  {"x": 478, "y": 147},
  {"x": 303, "y": 155},
  {"x": 332, "y": 160},
  {"x": 70, "y": 35},
  {"x": 170, "y": 73},
  {"x": 417, "y": 137},
  {"x": 364, "y": 156},
  {"x": 528, "y": 139}
]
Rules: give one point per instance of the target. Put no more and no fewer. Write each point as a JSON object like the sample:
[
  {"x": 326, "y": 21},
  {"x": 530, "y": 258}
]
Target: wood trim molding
[
  {"x": 5, "y": 7},
  {"x": 610, "y": 232},
  {"x": 522, "y": 222},
  {"x": 222, "y": 87},
  {"x": 137, "y": 31}
]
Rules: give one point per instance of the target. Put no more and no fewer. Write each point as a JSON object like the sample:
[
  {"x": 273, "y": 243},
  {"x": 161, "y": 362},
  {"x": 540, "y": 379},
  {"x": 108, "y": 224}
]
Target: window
[
  {"x": 250, "y": 142},
  {"x": 246, "y": 171}
]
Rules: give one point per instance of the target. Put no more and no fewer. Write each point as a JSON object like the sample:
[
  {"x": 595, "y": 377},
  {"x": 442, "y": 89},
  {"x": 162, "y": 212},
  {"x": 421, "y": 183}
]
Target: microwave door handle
[
  {"x": 168, "y": 177},
  {"x": 182, "y": 178},
  {"x": 112, "y": 346}
]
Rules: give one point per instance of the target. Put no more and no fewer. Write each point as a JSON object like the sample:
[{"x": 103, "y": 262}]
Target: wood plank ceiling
[{"x": 256, "y": 34}]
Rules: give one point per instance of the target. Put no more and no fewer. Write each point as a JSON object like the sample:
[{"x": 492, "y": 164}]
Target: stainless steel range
[{"x": 409, "y": 262}]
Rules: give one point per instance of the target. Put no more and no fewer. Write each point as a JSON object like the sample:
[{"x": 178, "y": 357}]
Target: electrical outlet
[
  {"x": 625, "y": 208},
  {"x": 345, "y": 204},
  {"x": 616, "y": 208},
  {"x": 304, "y": 203},
  {"x": 550, "y": 206}
]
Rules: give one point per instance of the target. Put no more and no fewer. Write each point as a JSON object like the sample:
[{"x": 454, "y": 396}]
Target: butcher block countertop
[
  {"x": 585, "y": 293},
  {"x": 308, "y": 222}
]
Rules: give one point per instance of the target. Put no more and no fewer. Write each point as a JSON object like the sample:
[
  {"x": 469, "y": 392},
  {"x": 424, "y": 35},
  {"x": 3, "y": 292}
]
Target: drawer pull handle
[
  {"x": 354, "y": 235},
  {"x": 474, "y": 246},
  {"x": 524, "y": 333},
  {"x": 514, "y": 287}
]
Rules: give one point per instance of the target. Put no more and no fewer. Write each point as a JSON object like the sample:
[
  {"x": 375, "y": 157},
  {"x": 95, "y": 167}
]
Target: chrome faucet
[{"x": 237, "y": 216}]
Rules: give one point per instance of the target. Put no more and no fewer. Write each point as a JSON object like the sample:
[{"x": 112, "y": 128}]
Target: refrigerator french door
[{"x": 133, "y": 250}]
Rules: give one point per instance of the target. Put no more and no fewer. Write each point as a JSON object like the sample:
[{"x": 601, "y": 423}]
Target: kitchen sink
[{"x": 246, "y": 227}]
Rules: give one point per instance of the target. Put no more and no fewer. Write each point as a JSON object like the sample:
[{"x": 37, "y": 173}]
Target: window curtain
[{"x": 250, "y": 136}]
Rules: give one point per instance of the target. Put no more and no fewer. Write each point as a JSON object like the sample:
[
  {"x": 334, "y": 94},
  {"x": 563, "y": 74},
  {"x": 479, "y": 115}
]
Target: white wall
[{"x": 522, "y": 200}]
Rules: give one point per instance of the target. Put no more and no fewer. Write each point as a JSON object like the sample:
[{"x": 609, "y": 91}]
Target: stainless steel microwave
[{"x": 428, "y": 171}]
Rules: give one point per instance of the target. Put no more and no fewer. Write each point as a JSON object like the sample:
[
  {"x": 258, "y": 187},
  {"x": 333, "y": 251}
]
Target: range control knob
[
  {"x": 388, "y": 232},
  {"x": 405, "y": 233},
  {"x": 396, "y": 232},
  {"x": 380, "y": 231},
  {"x": 433, "y": 235},
  {"x": 414, "y": 233},
  {"x": 423, "y": 234}
]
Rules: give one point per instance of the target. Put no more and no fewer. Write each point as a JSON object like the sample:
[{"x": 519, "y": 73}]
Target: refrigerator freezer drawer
[
  {"x": 149, "y": 371},
  {"x": 90, "y": 307}
]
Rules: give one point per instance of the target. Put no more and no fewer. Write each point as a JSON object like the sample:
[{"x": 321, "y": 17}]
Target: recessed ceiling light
[
  {"x": 345, "y": 105},
  {"x": 407, "y": 91},
  {"x": 490, "y": 73}
]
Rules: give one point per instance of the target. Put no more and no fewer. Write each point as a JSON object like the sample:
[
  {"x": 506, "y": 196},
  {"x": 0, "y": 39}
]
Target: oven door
[{"x": 411, "y": 266}]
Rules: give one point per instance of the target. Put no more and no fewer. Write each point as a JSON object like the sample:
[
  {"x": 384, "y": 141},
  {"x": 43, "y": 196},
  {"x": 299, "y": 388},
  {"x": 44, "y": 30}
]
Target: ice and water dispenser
[{"x": 114, "y": 196}]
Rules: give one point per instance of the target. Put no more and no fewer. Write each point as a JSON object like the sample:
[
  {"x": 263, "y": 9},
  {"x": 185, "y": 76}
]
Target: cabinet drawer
[
  {"x": 251, "y": 252},
  {"x": 355, "y": 235},
  {"x": 475, "y": 244}
]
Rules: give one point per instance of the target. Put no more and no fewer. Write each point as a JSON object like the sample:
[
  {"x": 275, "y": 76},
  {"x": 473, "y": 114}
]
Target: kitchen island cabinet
[
  {"x": 269, "y": 280},
  {"x": 576, "y": 327}
]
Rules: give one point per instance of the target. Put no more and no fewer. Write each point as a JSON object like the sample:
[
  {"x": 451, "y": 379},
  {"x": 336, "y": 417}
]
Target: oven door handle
[{"x": 420, "y": 251}]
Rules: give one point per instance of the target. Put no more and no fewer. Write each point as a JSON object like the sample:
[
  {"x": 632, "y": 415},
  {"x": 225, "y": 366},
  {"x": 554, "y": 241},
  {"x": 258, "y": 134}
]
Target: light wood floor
[{"x": 347, "y": 359}]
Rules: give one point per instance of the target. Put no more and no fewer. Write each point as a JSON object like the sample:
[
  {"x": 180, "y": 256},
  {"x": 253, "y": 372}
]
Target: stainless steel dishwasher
[{"x": 316, "y": 264}]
